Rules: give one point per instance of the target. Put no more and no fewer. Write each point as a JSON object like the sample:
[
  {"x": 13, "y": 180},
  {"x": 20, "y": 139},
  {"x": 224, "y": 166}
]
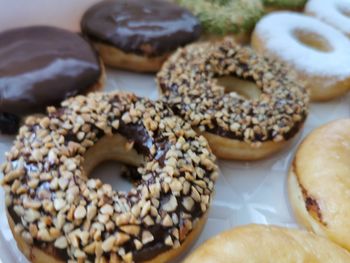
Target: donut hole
[
  {"x": 114, "y": 161},
  {"x": 243, "y": 87},
  {"x": 313, "y": 40},
  {"x": 120, "y": 176}
]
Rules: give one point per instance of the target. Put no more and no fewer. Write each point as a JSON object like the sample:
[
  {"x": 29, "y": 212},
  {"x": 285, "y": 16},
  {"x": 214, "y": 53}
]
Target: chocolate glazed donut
[
  {"x": 138, "y": 35},
  {"x": 41, "y": 66}
]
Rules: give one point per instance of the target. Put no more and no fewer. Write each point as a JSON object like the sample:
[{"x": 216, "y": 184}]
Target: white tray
[{"x": 246, "y": 192}]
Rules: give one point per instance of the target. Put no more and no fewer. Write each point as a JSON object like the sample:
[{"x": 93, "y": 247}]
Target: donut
[
  {"x": 220, "y": 18},
  {"x": 271, "y": 5},
  {"x": 57, "y": 213},
  {"x": 138, "y": 35},
  {"x": 334, "y": 13},
  {"x": 247, "y": 106},
  {"x": 41, "y": 66},
  {"x": 258, "y": 243},
  {"x": 318, "y": 52},
  {"x": 317, "y": 182}
]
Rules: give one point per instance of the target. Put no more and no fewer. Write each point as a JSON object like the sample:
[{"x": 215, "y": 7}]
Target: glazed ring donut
[
  {"x": 138, "y": 35},
  {"x": 248, "y": 123},
  {"x": 333, "y": 12},
  {"x": 284, "y": 4},
  {"x": 220, "y": 18},
  {"x": 318, "y": 52},
  {"x": 56, "y": 213},
  {"x": 257, "y": 243},
  {"x": 318, "y": 182},
  {"x": 42, "y": 66}
]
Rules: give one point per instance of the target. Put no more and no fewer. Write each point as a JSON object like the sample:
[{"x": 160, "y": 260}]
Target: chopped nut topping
[
  {"x": 107, "y": 209},
  {"x": 189, "y": 83},
  {"x": 108, "y": 244},
  {"x": 61, "y": 242},
  {"x": 80, "y": 212},
  {"x": 147, "y": 237},
  {"x": 170, "y": 205},
  {"x": 45, "y": 183}
]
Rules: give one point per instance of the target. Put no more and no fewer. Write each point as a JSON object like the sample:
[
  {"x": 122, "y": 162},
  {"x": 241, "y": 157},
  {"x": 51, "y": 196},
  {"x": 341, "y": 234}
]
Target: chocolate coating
[
  {"x": 145, "y": 27},
  {"x": 41, "y": 66}
]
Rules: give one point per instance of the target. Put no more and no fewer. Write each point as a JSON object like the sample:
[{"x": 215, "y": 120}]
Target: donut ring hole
[
  {"x": 121, "y": 177},
  {"x": 313, "y": 40},
  {"x": 112, "y": 149},
  {"x": 243, "y": 87}
]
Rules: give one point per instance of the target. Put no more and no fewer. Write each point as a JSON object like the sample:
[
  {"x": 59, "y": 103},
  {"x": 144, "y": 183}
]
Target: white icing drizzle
[
  {"x": 277, "y": 31},
  {"x": 332, "y": 12}
]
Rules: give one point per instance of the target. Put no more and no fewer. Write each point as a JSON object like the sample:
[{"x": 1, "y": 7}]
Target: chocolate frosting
[
  {"x": 145, "y": 27},
  {"x": 41, "y": 66}
]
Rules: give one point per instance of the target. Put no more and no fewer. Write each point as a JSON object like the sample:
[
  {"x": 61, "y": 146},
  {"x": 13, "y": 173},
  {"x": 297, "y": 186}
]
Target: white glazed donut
[
  {"x": 319, "y": 53},
  {"x": 333, "y": 12}
]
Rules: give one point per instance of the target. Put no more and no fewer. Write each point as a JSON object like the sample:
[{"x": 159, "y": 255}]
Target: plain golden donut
[
  {"x": 319, "y": 182},
  {"x": 264, "y": 244},
  {"x": 57, "y": 214},
  {"x": 264, "y": 111},
  {"x": 316, "y": 51}
]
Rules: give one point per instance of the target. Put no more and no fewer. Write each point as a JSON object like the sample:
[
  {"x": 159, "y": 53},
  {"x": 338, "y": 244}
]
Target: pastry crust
[
  {"x": 237, "y": 150},
  {"x": 319, "y": 182},
  {"x": 115, "y": 57},
  {"x": 100, "y": 84},
  {"x": 257, "y": 243}
]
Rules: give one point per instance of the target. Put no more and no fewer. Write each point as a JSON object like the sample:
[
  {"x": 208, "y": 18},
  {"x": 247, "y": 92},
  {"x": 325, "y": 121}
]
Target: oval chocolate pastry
[{"x": 41, "y": 66}]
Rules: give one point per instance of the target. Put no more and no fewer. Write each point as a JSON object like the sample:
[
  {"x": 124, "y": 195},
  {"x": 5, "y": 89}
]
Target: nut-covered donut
[
  {"x": 235, "y": 126},
  {"x": 319, "y": 182},
  {"x": 56, "y": 213}
]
